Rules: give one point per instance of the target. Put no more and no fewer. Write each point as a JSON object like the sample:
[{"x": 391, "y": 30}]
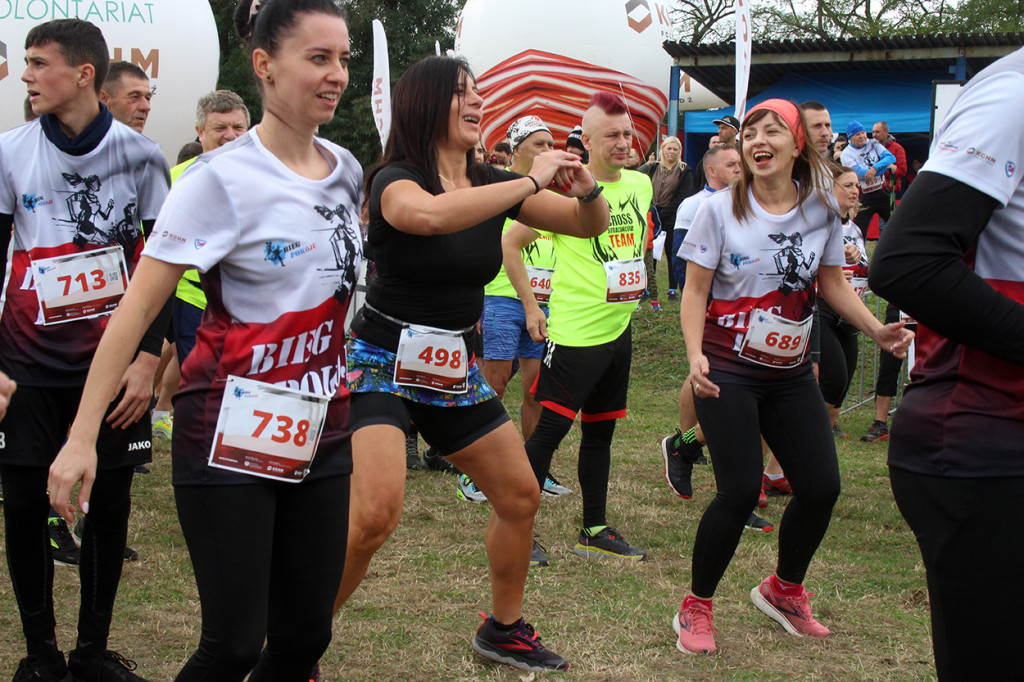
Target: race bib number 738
[{"x": 266, "y": 430}]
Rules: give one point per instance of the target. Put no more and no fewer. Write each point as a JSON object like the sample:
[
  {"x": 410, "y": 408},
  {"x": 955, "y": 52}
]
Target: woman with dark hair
[
  {"x": 436, "y": 217},
  {"x": 839, "y": 339},
  {"x": 758, "y": 250},
  {"x": 270, "y": 220}
]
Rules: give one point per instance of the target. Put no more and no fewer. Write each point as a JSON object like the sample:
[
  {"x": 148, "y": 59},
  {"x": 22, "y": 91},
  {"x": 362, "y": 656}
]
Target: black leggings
[
  {"x": 104, "y": 532},
  {"x": 593, "y": 467},
  {"x": 974, "y": 561},
  {"x": 794, "y": 422},
  {"x": 889, "y": 365},
  {"x": 268, "y": 559},
  {"x": 839, "y": 346}
]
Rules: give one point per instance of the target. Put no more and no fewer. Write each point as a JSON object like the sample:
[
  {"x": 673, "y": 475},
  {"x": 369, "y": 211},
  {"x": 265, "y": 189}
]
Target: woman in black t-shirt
[{"x": 436, "y": 217}]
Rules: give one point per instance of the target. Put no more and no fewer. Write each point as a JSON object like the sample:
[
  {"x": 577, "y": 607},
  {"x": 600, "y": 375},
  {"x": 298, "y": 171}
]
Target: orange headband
[{"x": 789, "y": 114}]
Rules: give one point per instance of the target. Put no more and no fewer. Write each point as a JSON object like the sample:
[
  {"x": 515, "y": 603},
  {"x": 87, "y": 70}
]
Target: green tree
[
  {"x": 699, "y": 21},
  {"x": 412, "y": 27}
]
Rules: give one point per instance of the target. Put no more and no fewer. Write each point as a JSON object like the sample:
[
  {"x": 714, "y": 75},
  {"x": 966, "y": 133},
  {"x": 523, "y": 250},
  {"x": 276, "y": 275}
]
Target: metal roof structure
[{"x": 713, "y": 65}]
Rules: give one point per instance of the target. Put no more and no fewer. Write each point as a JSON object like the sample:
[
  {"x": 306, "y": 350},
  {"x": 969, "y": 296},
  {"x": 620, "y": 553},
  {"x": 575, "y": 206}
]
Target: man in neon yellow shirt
[
  {"x": 221, "y": 116},
  {"x": 596, "y": 286}
]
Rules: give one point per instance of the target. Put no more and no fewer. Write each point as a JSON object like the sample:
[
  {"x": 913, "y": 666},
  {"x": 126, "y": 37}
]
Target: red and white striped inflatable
[{"x": 544, "y": 58}]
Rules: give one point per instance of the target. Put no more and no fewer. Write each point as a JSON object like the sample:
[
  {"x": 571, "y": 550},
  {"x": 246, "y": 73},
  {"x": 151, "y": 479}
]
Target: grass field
[{"x": 415, "y": 614}]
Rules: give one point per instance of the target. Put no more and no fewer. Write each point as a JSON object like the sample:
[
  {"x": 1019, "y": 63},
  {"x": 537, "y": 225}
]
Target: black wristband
[
  {"x": 536, "y": 185},
  {"x": 594, "y": 193}
]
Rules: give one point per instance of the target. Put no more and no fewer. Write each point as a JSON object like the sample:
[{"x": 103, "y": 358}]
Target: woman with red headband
[{"x": 760, "y": 248}]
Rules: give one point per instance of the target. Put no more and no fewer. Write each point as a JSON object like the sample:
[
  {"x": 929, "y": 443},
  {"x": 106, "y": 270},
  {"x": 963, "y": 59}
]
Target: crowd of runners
[{"x": 480, "y": 267}]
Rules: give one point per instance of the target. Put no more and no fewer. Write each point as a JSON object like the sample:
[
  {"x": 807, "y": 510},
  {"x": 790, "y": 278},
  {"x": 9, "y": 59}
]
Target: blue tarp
[{"x": 900, "y": 98}]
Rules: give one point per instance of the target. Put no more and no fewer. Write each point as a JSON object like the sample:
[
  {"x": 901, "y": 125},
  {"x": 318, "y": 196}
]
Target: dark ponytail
[{"x": 265, "y": 23}]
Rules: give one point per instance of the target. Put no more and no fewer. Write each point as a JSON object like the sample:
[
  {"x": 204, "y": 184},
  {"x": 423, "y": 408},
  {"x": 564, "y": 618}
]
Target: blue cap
[{"x": 854, "y": 127}]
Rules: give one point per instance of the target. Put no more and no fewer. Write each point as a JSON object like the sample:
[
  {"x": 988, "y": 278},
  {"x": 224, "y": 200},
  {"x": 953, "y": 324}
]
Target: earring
[{"x": 270, "y": 79}]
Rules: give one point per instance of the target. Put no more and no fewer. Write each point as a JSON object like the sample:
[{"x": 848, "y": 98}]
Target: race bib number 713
[{"x": 81, "y": 285}]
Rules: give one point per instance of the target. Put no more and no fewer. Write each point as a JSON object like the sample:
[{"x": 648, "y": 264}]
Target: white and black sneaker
[{"x": 552, "y": 488}]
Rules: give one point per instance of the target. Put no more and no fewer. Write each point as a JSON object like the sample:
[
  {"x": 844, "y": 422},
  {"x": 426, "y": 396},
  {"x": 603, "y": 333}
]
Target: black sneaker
[
  {"x": 519, "y": 647},
  {"x": 412, "y": 453},
  {"x": 607, "y": 542},
  {"x": 678, "y": 471},
  {"x": 32, "y": 669},
  {"x": 755, "y": 522},
  {"x": 539, "y": 554},
  {"x": 107, "y": 666},
  {"x": 878, "y": 431},
  {"x": 62, "y": 546},
  {"x": 129, "y": 553},
  {"x": 838, "y": 432},
  {"x": 141, "y": 469},
  {"x": 314, "y": 674},
  {"x": 435, "y": 461}
]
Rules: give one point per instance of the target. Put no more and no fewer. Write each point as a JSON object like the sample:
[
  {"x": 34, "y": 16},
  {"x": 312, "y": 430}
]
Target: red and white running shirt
[
  {"x": 767, "y": 262},
  {"x": 278, "y": 255},
  {"x": 64, "y": 204}
]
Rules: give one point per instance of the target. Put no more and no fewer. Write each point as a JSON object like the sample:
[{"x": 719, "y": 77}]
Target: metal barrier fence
[{"x": 862, "y": 389}]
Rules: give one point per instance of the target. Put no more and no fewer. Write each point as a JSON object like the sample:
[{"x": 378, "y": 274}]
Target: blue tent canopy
[{"x": 901, "y": 99}]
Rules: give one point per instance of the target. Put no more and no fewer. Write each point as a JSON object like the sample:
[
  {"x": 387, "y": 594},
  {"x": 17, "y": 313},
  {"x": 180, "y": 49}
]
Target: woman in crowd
[
  {"x": 271, "y": 222},
  {"x": 672, "y": 181},
  {"x": 760, "y": 248},
  {"x": 435, "y": 226},
  {"x": 839, "y": 342}
]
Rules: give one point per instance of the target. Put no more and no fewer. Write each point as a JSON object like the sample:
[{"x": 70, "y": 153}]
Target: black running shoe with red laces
[{"x": 519, "y": 647}]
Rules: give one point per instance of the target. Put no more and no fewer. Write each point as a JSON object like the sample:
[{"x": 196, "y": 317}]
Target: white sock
[{"x": 775, "y": 477}]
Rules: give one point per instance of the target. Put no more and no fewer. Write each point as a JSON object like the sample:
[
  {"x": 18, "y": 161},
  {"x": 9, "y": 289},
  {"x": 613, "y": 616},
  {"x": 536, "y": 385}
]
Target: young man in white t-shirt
[{"x": 78, "y": 190}]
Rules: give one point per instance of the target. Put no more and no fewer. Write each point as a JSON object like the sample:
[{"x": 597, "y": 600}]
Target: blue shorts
[{"x": 505, "y": 334}]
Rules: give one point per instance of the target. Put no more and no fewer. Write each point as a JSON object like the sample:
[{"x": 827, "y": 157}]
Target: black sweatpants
[
  {"x": 792, "y": 417},
  {"x": 839, "y": 344},
  {"x": 268, "y": 558},
  {"x": 104, "y": 532},
  {"x": 593, "y": 466},
  {"x": 974, "y": 560}
]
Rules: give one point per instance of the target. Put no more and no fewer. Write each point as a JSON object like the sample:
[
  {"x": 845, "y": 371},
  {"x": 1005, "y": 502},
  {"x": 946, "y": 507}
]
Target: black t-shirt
[{"x": 436, "y": 281}]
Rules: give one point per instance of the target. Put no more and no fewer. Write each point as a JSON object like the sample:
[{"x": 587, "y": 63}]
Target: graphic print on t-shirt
[
  {"x": 621, "y": 230},
  {"x": 83, "y": 209},
  {"x": 791, "y": 263},
  {"x": 346, "y": 245}
]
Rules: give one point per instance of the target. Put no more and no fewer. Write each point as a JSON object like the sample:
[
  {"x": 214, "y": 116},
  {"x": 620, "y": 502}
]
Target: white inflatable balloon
[
  {"x": 174, "y": 41},
  {"x": 544, "y": 58}
]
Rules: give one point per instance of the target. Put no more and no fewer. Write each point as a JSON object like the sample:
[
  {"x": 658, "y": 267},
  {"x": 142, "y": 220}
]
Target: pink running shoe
[
  {"x": 791, "y": 612},
  {"x": 693, "y": 623},
  {"x": 775, "y": 488}
]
